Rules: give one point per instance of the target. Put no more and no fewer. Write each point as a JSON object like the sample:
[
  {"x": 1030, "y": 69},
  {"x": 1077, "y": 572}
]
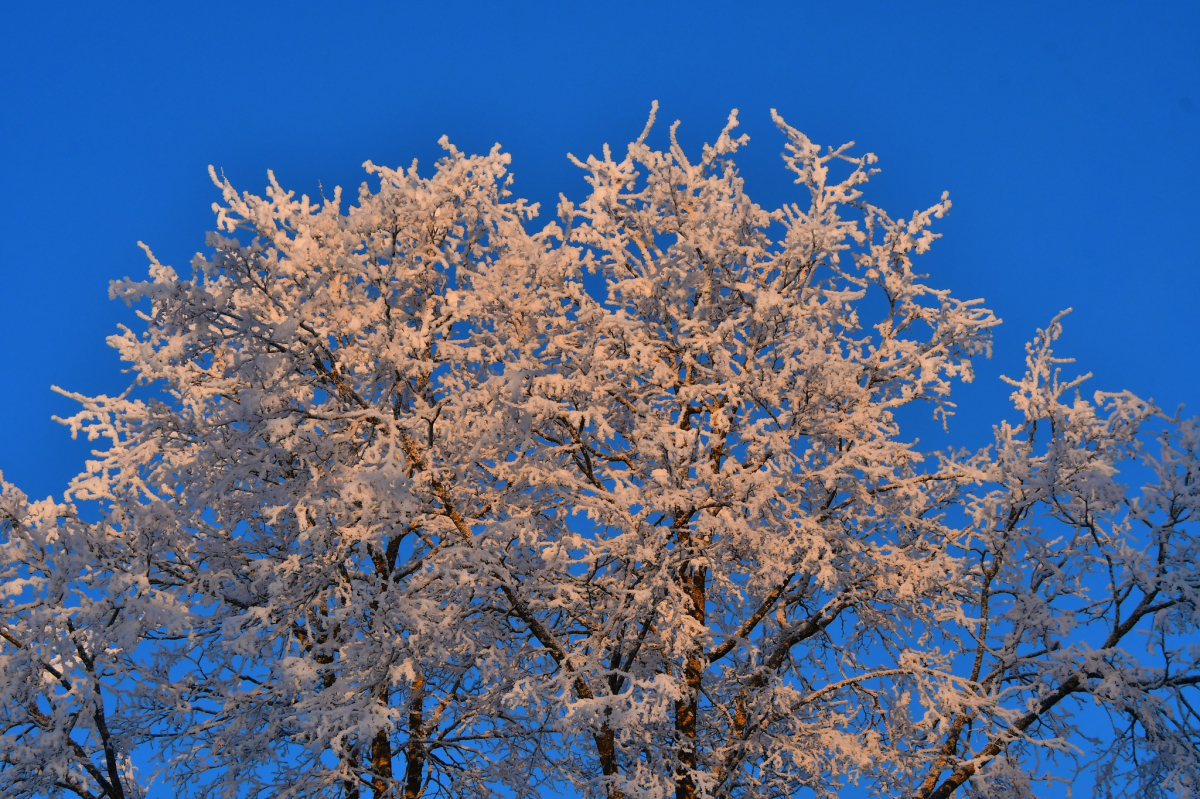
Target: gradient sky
[{"x": 1067, "y": 135}]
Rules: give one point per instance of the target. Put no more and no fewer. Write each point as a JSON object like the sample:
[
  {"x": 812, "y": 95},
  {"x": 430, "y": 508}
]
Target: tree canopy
[{"x": 396, "y": 506}]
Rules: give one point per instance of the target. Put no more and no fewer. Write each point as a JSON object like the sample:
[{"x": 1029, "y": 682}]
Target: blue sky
[{"x": 1067, "y": 135}]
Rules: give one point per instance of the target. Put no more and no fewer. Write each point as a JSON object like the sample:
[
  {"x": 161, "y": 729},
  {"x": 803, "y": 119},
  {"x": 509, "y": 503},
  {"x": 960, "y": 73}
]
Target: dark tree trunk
[
  {"x": 606, "y": 746},
  {"x": 414, "y": 769},
  {"x": 381, "y": 755},
  {"x": 351, "y": 785},
  {"x": 692, "y": 580}
]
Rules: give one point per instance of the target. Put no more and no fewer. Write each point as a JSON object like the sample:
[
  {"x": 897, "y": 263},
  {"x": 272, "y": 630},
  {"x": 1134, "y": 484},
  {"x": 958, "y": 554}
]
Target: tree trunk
[
  {"x": 381, "y": 754},
  {"x": 414, "y": 769},
  {"x": 606, "y": 746},
  {"x": 351, "y": 785},
  {"x": 692, "y": 580}
]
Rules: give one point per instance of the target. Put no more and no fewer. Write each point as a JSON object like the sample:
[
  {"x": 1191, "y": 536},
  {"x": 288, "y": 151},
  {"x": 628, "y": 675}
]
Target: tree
[{"x": 396, "y": 506}]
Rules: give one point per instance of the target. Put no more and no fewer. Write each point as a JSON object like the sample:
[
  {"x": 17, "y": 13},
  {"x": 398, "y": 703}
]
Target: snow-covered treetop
[{"x": 395, "y": 504}]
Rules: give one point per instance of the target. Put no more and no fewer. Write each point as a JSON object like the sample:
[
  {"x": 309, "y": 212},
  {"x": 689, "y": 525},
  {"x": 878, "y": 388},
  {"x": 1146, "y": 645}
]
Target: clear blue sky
[{"x": 1067, "y": 134}]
